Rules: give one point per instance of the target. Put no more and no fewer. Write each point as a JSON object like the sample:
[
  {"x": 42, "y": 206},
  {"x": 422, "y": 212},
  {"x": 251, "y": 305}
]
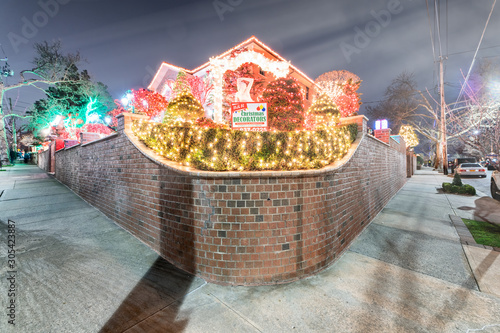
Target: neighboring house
[{"x": 267, "y": 63}]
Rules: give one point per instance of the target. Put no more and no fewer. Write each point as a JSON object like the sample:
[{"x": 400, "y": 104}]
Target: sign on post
[{"x": 249, "y": 116}]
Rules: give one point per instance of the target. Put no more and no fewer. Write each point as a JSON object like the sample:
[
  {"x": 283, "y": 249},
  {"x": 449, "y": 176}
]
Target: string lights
[
  {"x": 409, "y": 135},
  {"x": 220, "y": 149},
  {"x": 186, "y": 106},
  {"x": 219, "y": 66}
]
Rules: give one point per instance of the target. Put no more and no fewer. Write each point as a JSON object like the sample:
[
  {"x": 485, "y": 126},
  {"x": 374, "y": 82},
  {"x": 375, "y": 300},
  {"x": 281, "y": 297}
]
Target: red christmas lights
[{"x": 285, "y": 104}]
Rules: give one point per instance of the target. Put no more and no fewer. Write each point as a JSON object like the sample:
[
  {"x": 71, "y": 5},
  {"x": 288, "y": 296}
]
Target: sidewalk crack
[{"x": 237, "y": 313}]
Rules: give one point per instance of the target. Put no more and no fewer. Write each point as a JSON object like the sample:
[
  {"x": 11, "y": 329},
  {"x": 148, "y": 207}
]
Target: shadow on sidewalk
[
  {"x": 154, "y": 303},
  {"x": 486, "y": 210},
  {"x": 162, "y": 289}
]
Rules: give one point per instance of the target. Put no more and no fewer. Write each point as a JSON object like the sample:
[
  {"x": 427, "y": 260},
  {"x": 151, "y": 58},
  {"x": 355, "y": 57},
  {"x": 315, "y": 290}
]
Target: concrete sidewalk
[{"x": 77, "y": 271}]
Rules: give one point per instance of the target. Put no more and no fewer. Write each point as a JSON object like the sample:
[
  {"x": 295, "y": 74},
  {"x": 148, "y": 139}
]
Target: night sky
[{"x": 124, "y": 42}]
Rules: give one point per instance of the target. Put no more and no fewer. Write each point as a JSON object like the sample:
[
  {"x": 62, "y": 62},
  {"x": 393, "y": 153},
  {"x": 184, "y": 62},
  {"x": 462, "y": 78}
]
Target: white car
[
  {"x": 495, "y": 183},
  {"x": 471, "y": 169}
]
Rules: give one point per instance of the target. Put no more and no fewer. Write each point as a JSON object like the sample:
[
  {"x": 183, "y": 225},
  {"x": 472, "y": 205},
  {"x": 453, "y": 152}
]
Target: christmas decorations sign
[{"x": 249, "y": 116}]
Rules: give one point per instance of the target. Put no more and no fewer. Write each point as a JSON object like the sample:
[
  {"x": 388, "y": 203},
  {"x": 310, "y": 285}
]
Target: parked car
[
  {"x": 461, "y": 160},
  {"x": 471, "y": 169},
  {"x": 495, "y": 183}
]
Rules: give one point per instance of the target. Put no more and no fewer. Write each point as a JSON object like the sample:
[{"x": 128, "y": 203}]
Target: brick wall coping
[
  {"x": 91, "y": 142},
  {"x": 353, "y": 120},
  {"x": 188, "y": 171}
]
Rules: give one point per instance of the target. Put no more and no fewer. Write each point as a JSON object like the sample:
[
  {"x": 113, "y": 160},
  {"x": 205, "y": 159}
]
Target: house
[{"x": 266, "y": 65}]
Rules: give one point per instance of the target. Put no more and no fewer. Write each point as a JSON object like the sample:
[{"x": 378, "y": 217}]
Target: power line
[
  {"x": 475, "y": 54},
  {"x": 482, "y": 48},
  {"x": 430, "y": 30}
]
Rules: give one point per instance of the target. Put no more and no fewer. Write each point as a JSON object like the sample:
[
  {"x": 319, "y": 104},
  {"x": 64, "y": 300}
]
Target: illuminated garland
[{"x": 217, "y": 149}]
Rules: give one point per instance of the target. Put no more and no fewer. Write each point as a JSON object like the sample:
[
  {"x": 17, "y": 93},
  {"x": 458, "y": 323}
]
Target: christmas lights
[
  {"x": 185, "y": 107},
  {"x": 409, "y": 135},
  {"x": 324, "y": 111},
  {"x": 220, "y": 149},
  {"x": 220, "y": 65},
  {"x": 285, "y": 104},
  {"x": 341, "y": 87}
]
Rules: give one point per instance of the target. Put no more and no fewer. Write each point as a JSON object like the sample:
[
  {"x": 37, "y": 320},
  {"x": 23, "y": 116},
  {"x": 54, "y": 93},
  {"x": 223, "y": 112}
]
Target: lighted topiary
[
  {"x": 185, "y": 106},
  {"x": 409, "y": 135},
  {"x": 285, "y": 104},
  {"x": 325, "y": 110}
]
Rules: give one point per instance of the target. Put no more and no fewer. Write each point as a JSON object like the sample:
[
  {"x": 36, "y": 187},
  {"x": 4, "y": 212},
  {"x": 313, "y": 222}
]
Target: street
[{"x": 481, "y": 184}]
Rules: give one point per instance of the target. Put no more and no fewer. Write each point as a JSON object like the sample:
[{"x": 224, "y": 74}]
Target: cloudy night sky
[{"x": 124, "y": 42}]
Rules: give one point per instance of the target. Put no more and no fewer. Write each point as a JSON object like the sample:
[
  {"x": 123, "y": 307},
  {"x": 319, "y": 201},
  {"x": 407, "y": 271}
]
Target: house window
[
  {"x": 307, "y": 93},
  {"x": 262, "y": 72}
]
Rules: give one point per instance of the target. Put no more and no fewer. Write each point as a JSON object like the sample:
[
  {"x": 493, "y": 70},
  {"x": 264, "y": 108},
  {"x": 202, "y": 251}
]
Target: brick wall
[
  {"x": 86, "y": 137},
  {"x": 245, "y": 228},
  {"x": 45, "y": 159},
  {"x": 383, "y": 134}
]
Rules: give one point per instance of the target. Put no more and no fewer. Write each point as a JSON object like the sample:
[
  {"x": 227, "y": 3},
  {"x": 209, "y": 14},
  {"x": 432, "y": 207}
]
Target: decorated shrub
[
  {"x": 223, "y": 149},
  {"x": 148, "y": 102},
  {"x": 185, "y": 106},
  {"x": 285, "y": 105},
  {"x": 342, "y": 88},
  {"x": 325, "y": 111}
]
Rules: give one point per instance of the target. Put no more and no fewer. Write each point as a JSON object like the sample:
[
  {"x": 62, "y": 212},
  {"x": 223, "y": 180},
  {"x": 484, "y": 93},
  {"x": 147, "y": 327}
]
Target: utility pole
[
  {"x": 14, "y": 134},
  {"x": 444, "y": 150}
]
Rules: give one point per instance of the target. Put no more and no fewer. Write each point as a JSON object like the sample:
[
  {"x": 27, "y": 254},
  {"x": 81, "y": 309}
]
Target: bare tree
[
  {"x": 403, "y": 103},
  {"x": 479, "y": 122},
  {"x": 400, "y": 103}
]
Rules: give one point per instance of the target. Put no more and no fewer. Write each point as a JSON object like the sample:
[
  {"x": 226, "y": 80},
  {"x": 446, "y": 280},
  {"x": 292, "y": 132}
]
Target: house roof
[{"x": 252, "y": 40}]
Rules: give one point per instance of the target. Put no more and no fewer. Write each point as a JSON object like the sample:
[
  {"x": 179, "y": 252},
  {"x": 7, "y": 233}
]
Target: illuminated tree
[
  {"x": 325, "y": 110},
  {"x": 148, "y": 102},
  {"x": 341, "y": 87},
  {"x": 409, "y": 135},
  {"x": 51, "y": 66},
  {"x": 186, "y": 107},
  {"x": 71, "y": 105},
  {"x": 97, "y": 128},
  {"x": 479, "y": 122},
  {"x": 285, "y": 104},
  {"x": 201, "y": 88},
  {"x": 400, "y": 103},
  {"x": 119, "y": 109},
  {"x": 327, "y": 79}
]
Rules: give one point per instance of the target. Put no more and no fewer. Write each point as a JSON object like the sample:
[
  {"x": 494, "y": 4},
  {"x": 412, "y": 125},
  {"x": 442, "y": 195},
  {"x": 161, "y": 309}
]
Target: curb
[{"x": 465, "y": 235}]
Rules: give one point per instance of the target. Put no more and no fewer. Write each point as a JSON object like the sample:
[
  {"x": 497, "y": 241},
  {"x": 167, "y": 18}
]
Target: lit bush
[{"x": 221, "y": 149}]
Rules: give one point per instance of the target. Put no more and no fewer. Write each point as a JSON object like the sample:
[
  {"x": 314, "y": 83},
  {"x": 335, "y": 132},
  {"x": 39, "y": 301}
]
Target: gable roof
[{"x": 252, "y": 41}]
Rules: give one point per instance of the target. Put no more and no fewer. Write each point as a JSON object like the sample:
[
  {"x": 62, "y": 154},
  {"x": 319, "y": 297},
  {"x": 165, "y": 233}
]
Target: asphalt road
[{"x": 481, "y": 184}]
